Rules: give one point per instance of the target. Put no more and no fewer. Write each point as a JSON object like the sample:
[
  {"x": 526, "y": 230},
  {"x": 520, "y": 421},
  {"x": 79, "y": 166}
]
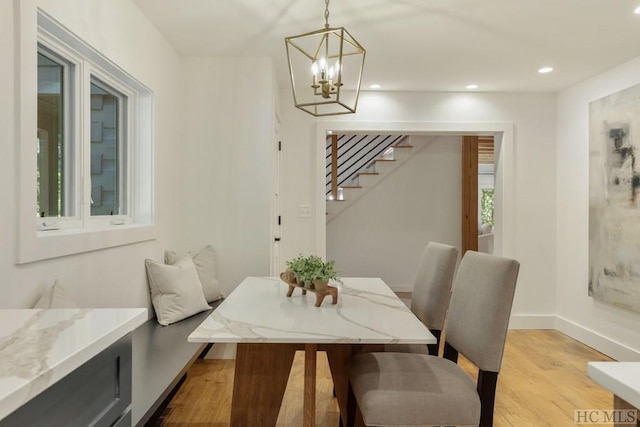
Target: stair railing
[{"x": 353, "y": 154}]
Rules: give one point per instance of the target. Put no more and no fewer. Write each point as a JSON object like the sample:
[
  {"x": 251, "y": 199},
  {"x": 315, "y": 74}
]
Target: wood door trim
[{"x": 469, "y": 193}]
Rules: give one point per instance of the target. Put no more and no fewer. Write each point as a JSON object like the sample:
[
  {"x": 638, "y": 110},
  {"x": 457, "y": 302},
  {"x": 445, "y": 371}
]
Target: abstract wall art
[{"x": 614, "y": 198}]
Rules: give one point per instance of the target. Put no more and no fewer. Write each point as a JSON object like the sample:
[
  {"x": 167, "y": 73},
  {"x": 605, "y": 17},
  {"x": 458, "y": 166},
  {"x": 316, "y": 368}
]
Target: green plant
[
  {"x": 310, "y": 268},
  {"x": 486, "y": 206}
]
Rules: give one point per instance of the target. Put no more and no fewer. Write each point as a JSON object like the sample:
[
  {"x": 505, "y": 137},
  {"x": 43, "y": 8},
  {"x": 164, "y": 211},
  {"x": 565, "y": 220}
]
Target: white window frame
[
  {"x": 72, "y": 66},
  {"x": 81, "y": 232},
  {"x": 125, "y": 137}
]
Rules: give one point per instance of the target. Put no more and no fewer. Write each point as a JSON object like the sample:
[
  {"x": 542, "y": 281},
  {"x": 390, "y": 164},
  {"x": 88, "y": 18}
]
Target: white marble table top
[
  {"x": 258, "y": 311},
  {"x": 39, "y": 347},
  {"x": 622, "y": 378}
]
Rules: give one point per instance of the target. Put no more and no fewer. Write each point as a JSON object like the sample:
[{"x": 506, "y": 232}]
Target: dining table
[{"x": 269, "y": 328}]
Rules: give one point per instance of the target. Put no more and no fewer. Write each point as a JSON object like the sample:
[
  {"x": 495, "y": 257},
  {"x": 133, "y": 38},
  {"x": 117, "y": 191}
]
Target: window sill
[{"x": 41, "y": 245}]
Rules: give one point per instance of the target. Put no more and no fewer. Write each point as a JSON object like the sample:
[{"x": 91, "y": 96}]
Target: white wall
[
  {"x": 116, "y": 276},
  {"x": 213, "y": 159},
  {"x": 227, "y": 148},
  {"x": 384, "y": 232},
  {"x": 534, "y": 204},
  {"x": 610, "y": 329}
]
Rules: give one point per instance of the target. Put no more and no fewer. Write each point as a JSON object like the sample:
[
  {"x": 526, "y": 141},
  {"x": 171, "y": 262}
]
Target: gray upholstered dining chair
[
  {"x": 402, "y": 389},
  {"x": 431, "y": 294}
]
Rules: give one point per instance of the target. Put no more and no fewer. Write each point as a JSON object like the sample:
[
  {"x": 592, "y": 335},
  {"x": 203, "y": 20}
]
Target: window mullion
[
  {"x": 123, "y": 138},
  {"x": 128, "y": 160},
  {"x": 73, "y": 186},
  {"x": 85, "y": 142}
]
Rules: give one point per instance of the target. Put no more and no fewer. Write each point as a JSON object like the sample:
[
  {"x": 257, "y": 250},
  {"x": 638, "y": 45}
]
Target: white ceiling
[{"x": 434, "y": 45}]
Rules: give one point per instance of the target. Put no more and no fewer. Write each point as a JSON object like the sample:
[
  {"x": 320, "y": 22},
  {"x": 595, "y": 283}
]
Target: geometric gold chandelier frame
[{"x": 326, "y": 68}]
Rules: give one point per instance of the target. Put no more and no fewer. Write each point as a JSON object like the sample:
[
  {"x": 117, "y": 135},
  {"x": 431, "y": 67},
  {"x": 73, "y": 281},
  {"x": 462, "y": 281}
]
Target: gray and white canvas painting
[{"x": 614, "y": 198}]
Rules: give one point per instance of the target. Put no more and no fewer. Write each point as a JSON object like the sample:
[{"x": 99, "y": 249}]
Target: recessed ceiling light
[
  {"x": 375, "y": 86},
  {"x": 545, "y": 70},
  {"x": 637, "y": 10},
  {"x": 472, "y": 86}
]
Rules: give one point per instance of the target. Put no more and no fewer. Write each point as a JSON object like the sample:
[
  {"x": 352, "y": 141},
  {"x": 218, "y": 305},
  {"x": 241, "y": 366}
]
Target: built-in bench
[{"x": 161, "y": 358}]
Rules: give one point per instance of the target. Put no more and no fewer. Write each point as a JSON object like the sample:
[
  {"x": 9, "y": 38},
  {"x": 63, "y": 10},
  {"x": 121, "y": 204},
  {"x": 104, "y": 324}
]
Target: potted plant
[{"x": 311, "y": 271}]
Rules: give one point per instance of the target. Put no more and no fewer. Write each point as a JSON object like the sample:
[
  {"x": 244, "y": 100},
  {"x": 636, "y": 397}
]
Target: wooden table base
[
  {"x": 260, "y": 380},
  {"x": 619, "y": 403},
  {"x": 262, "y": 372},
  {"x": 310, "y": 357}
]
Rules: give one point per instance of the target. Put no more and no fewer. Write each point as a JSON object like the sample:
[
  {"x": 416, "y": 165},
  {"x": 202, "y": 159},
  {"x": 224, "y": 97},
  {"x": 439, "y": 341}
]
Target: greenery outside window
[
  {"x": 486, "y": 206},
  {"x": 54, "y": 143}
]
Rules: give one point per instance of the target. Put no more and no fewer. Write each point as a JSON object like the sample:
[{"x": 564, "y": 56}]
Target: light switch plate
[{"x": 304, "y": 211}]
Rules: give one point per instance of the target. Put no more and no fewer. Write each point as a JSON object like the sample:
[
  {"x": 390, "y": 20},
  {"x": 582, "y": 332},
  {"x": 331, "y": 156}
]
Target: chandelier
[{"x": 326, "y": 70}]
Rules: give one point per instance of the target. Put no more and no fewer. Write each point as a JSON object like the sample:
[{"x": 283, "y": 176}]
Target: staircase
[{"x": 362, "y": 162}]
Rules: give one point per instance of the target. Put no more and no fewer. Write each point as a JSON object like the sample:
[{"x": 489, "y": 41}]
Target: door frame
[
  {"x": 276, "y": 265},
  {"x": 505, "y": 174}
]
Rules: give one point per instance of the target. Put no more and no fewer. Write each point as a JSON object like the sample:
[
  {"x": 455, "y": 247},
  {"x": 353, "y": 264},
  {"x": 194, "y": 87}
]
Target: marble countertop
[
  {"x": 39, "y": 347},
  {"x": 622, "y": 378},
  {"x": 258, "y": 311}
]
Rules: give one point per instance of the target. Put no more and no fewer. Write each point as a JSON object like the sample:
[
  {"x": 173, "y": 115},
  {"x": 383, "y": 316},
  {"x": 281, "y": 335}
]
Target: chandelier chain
[{"x": 326, "y": 13}]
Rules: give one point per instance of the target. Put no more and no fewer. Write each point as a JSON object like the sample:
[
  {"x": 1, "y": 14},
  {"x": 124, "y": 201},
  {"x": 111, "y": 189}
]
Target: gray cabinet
[{"x": 98, "y": 393}]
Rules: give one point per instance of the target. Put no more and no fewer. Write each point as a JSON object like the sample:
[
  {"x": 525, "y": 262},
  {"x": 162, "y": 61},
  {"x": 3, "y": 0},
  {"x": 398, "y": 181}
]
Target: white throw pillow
[
  {"x": 176, "y": 292},
  {"x": 205, "y": 263},
  {"x": 55, "y": 297}
]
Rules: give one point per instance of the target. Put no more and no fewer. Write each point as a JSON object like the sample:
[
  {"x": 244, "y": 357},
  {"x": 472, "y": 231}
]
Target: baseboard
[
  {"x": 532, "y": 321},
  {"x": 597, "y": 341},
  {"x": 402, "y": 288},
  {"x": 222, "y": 351}
]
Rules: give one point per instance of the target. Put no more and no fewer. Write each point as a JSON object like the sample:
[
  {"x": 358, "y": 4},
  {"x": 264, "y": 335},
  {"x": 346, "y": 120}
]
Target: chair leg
[
  {"x": 359, "y": 419},
  {"x": 450, "y": 353},
  {"x": 433, "y": 348},
  {"x": 354, "y": 416},
  {"x": 351, "y": 408},
  {"x": 487, "y": 382}
]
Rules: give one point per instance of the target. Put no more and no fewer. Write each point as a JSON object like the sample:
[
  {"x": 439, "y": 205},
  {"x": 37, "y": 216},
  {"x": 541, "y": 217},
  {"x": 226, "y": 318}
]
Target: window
[
  {"x": 108, "y": 148},
  {"x": 54, "y": 180},
  {"x": 88, "y": 175},
  {"x": 105, "y": 99}
]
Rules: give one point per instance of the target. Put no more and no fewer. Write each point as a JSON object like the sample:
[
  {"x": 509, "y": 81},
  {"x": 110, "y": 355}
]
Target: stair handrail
[{"x": 372, "y": 148}]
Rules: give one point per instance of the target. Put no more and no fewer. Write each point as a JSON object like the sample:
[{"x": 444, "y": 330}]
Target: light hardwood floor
[{"x": 543, "y": 379}]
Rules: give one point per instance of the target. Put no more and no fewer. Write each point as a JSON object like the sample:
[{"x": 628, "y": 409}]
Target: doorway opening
[{"x": 503, "y": 197}]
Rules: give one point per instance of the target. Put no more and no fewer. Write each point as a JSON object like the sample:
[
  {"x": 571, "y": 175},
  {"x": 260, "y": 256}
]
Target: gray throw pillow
[
  {"x": 176, "y": 292},
  {"x": 55, "y": 297},
  {"x": 205, "y": 263}
]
